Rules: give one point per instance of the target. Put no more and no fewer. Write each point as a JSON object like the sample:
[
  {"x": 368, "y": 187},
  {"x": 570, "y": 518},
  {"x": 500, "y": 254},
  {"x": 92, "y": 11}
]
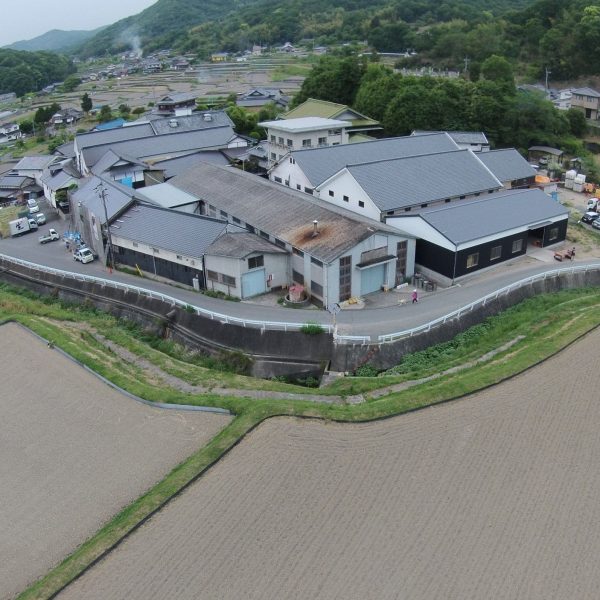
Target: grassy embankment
[{"x": 548, "y": 323}]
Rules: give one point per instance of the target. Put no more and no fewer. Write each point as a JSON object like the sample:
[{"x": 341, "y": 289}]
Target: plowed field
[
  {"x": 73, "y": 451},
  {"x": 493, "y": 496}
]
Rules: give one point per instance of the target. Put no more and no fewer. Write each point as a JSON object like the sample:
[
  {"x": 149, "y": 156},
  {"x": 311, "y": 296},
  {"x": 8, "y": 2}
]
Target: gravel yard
[
  {"x": 494, "y": 496},
  {"x": 74, "y": 452}
]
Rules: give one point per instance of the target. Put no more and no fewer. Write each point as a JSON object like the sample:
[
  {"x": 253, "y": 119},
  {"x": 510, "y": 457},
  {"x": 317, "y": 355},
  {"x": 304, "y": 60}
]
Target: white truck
[
  {"x": 22, "y": 225},
  {"x": 593, "y": 204}
]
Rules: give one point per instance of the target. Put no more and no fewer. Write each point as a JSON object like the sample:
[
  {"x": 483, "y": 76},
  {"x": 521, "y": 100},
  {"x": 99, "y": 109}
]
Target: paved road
[{"x": 367, "y": 322}]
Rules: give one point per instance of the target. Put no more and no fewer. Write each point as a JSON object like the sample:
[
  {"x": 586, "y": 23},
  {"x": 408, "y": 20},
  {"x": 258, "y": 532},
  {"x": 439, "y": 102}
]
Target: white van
[{"x": 84, "y": 255}]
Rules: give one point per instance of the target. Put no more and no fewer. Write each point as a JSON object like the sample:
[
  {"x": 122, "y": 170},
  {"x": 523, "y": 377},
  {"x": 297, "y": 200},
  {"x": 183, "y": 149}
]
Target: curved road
[{"x": 366, "y": 322}]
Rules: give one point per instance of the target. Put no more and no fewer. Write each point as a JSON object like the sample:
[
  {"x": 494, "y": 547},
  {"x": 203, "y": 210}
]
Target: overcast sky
[{"x": 26, "y": 19}]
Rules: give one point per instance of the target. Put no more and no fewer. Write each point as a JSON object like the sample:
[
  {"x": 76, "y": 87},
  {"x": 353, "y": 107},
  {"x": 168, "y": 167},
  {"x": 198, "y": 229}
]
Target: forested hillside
[
  {"x": 55, "y": 40},
  {"x": 23, "y": 72}
]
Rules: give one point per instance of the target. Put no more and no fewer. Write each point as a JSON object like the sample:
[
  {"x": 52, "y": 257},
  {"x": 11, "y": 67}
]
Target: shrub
[
  {"x": 312, "y": 329},
  {"x": 366, "y": 370}
]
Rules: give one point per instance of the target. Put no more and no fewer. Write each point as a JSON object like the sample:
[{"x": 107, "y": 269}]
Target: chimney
[{"x": 315, "y": 228}]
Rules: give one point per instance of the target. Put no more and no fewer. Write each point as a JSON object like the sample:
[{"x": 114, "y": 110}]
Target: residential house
[
  {"x": 35, "y": 166},
  {"x": 358, "y": 123},
  {"x": 332, "y": 252},
  {"x": 179, "y": 64},
  {"x": 219, "y": 56},
  {"x": 66, "y": 116},
  {"x": 256, "y": 98},
  {"x": 286, "y": 135},
  {"x": 125, "y": 169},
  {"x": 16, "y": 189},
  {"x": 10, "y": 132},
  {"x": 545, "y": 155},
  {"x": 176, "y": 104},
  {"x": 57, "y": 179},
  {"x": 586, "y": 100}
]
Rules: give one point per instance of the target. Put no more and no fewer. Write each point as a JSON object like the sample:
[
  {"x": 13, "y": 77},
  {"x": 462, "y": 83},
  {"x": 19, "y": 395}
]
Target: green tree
[
  {"x": 26, "y": 126},
  {"x": 71, "y": 83},
  {"x": 577, "y": 122},
  {"x": 86, "y": 103},
  {"x": 105, "y": 114},
  {"x": 500, "y": 71}
]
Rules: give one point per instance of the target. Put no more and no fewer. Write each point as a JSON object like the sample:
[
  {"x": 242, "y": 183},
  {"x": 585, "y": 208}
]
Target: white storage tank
[
  {"x": 578, "y": 183},
  {"x": 569, "y": 178}
]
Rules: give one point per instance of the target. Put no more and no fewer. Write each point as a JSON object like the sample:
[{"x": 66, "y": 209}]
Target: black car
[{"x": 590, "y": 217}]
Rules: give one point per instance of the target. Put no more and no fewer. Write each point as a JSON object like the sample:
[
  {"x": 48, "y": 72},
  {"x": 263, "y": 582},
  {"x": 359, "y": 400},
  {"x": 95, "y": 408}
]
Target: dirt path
[{"x": 494, "y": 496}]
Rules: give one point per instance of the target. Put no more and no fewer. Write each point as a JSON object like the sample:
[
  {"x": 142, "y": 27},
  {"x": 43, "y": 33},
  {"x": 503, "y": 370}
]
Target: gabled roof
[
  {"x": 463, "y": 222},
  {"x": 318, "y": 164},
  {"x": 118, "y": 197},
  {"x": 112, "y": 136},
  {"x": 175, "y": 166},
  {"x": 15, "y": 182},
  {"x": 507, "y": 165},
  {"x": 329, "y": 110},
  {"x": 546, "y": 149},
  {"x": 35, "y": 163},
  {"x": 176, "y": 97},
  {"x": 460, "y": 137},
  {"x": 112, "y": 158},
  {"x": 279, "y": 211},
  {"x": 304, "y": 124},
  {"x": 241, "y": 244},
  {"x": 179, "y": 232},
  {"x": 586, "y": 91},
  {"x": 165, "y": 195},
  {"x": 194, "y": 122},
  {"x": 402, "y": 182}
]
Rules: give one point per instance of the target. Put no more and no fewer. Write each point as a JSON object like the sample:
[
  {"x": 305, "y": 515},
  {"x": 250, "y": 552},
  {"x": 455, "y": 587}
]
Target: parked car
[
  {"x": 590, "y": 217},
  {"x": 40, "y": 218},
  {"x": 596, "y": 224},
  {"x": 51, "y": 236},
  {"x": 84, "y": 255},
  {"x": 33, "y": 206}
]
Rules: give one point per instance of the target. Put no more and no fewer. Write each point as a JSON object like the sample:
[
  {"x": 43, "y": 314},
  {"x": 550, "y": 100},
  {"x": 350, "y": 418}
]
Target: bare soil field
[
  {"x": 73, "y": 452},
  {"x": 493, "y": 496}
]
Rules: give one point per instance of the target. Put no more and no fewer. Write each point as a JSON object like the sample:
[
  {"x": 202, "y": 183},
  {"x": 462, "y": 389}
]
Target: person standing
[{"x": 415, "y": 296}]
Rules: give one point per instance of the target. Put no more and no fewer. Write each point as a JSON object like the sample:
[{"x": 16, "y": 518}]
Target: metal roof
[
  {"x": 467, "y": 221},
  {"x": 194, "y": 122},
  {"x": 586, "y": 91},
  {"x": 135, "y": 131},
  {"x": 58, "y": 180},
  {"x": 165, "y": 195},
  {"x": 171, "y": 230},
  {"x": 507, "y": 165},
  {"x": 304, "y": 124},
  {"x": 111, "y": 158},
  {"x": 175, "y": 166},
  {"x": 35, "y": 163},
  {"x": 279, "y": 211},
  {"x": 460, "y": 137},
  {"x": 318, "y": 164},
  {"x": 241, "y": 244},
  {"x": 15, "y": 182},
  {"x": 164, "y": 145},
  {"x": 329, "y": 110},
  {"x": 414, "y": 180},
  {"x": 546, "y": 149}
]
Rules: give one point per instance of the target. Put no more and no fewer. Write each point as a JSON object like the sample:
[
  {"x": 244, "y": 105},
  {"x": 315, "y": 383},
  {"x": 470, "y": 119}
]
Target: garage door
[
  {"x": 253, "y": 283},
  {"x": 372, "y": 279}
]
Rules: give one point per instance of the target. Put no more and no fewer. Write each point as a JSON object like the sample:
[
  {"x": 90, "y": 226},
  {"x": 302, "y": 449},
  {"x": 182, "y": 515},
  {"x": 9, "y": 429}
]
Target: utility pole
[
  {"x": 466, "y": 60},
  {"x": 102, "y": 193},
  {"x": 548, "y": 71}
]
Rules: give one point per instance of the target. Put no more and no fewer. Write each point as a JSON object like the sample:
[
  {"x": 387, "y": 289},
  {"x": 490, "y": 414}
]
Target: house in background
[
  {"x": 219, "y": 56},
  {"x": 177, "y": 104},
  {"x": 586, "y": 100},
  {"x": 10, "y": 132},
  {"x": 254, "y": 99},
  {"x": 544, "y": 155},
  {"x": 358, "y": 123},
  {"x": 57, "y": 179},
  {"x": 66, "y": 116},
  {"x": 286, "y": 135},
  {"x": 35, "y": 166}
]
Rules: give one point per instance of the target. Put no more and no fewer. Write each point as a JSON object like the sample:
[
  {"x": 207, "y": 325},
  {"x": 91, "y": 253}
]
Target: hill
[{"x": 56, "y": 40}]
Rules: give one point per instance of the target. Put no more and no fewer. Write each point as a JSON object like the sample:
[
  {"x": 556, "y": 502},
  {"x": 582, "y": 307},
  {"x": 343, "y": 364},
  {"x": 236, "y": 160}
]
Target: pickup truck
[
  {"x": 51, "y": 236},
  {"x": 84, "y": 255}
]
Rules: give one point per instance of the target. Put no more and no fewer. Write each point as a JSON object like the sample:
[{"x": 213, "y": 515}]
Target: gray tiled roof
[
  {"x": 35, "y": 163},
  {"x": 586, "y": 91},
  {"x": 279, "y": 211},
  {"x": 321, "y": 163},
  {"x": 460, "y": 137},
  {"x": 241, "y": 244},
  {"x": 507, "y": 165},
  {"x": 175, "y": 166},
  {"x": 193, "y": 122},
  {"x": 163, "y": 145},
  {"x": 178, "y": 232},
  {"x": 15, "y": 182},
  {"x": 117, "y": 197},
  {"x": 403, "y": 182},
  {"x": 112, "y": 136},
  {"x": 468, "y": 221},
  {"x": 57, "y": 180},
  {"x": 110, "y": 158}
]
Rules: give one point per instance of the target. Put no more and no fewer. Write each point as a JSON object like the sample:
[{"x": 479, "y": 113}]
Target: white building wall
[
  {"x": 344, "y": 185},
  {"x": 287, "y": 171}
]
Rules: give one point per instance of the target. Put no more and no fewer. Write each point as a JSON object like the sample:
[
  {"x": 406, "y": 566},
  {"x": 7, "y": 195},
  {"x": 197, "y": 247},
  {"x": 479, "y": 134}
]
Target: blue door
[
  {"x": 372, "y": 279},
  {"x": 253, "y": 283}
]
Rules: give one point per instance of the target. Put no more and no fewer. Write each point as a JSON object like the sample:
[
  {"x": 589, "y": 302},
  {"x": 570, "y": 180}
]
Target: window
[
  {"x": 477, "y": 193},
  {"x": 179, "y": 257},
  {"x": 306, "y": 143},
  {"x": 264, "y": 234},
  {"x": 407, "y": 209},
  {"x": 517, "y": 246},
  {"x": 297, "y": 277},
  {"x": 212, "y": 275},
  {"x": 290, "y": 144},
  {"x": 447, "y": 200},
  {"x": 135, "y": 244},
  {"x": 461, "y": 197},
  {"x": 553, "y": 234},
  {"x": 291, "y": 161},
  {"x": 273, "y": 156},
  {"x": 278, "y": 179},
  {"x": 331, "y": 193},
  {"x": 472, "y": 260},
  {"x": 345, "y": 277},
  {"x": 316, "y": 289},
  {"x": 279, "y": 243},
  {"x": 424, "y": 205},
  {"x": 361, "y": 204},
  {"x": 322, "y": 141},
  {"x": 297, "y": 252},
  {"x": 495, "y": 252},
  {"x": 280, "y": 141},
  {"x": 490, "y": 191},
  {"x": 220, "y": 278},
  {"x": 298, "y": 187},
  {"x": 228, "y": 280},
  {"x": 273, "y": 139},
  {"x": 316, "y": 261},
  {"x": 250, "y": 228},
  {"x": 236, "y": 220},
  {"x": 308, "y": 190},
  {"x": 390, "y": 213},
  {"x": 254, "y": 262},
  {"x": 224, "y": 214},
  {"x": 346, "y": 199}
]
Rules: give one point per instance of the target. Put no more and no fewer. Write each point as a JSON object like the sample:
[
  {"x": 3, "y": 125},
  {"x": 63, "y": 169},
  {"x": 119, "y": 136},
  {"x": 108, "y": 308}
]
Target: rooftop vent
[
  {"x": 315, "y": 232},
  {"x": 173, "y": 123},
  {"x": 207, "y": 117}
]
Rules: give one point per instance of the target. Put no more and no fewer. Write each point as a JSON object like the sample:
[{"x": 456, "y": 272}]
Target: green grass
[{"x": 548, "y": 323}]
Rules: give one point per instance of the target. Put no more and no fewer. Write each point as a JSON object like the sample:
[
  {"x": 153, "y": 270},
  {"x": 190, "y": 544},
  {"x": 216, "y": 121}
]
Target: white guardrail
[
  {"x": 391, "y": 337},
  {"x": 226, "y": 319}
]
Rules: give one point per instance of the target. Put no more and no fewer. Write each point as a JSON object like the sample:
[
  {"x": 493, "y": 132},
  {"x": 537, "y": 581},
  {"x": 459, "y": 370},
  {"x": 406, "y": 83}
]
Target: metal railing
[
  {"x": 391, "y": 337},
  {"x": 216, "y": 316}
]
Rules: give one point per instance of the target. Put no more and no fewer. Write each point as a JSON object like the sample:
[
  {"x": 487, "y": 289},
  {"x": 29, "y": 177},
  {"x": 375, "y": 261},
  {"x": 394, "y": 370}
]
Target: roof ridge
[{"x": 382, "y": 160}]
